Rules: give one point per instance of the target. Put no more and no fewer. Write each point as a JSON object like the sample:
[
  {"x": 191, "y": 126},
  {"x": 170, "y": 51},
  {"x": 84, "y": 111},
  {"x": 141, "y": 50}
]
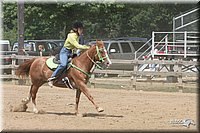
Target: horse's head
[{"x": 102, "y": 54}]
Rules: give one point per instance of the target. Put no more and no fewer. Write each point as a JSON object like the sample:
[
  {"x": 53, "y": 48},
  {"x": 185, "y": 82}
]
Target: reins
[
  {"x": 94, "y": 61},
  {"x": 97, "y": 66},
  {"x": 87, "y": 74}
]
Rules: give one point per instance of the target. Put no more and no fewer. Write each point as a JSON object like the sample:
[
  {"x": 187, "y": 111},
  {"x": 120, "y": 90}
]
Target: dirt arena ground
[{"x": 124, "y": 110}]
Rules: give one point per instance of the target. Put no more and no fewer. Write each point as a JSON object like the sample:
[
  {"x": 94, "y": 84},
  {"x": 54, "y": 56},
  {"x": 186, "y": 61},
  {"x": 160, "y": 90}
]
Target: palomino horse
[{"x": 78, "y": 74}]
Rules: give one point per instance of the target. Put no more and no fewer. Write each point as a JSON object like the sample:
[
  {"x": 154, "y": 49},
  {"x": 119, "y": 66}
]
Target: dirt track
[{"x": 124, "y": 110}]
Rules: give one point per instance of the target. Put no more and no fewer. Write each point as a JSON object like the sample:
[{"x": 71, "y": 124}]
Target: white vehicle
[{"x": 5, "y": 45}]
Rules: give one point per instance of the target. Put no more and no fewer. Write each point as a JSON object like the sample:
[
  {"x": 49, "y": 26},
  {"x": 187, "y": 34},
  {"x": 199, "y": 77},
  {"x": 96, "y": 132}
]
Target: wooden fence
[
  {"x": 180, "y": 71},
  {"x": 170, "y": 73}
]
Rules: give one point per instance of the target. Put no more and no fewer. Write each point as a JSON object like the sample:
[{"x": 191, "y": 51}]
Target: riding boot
[{"x": 51, "y": 79}]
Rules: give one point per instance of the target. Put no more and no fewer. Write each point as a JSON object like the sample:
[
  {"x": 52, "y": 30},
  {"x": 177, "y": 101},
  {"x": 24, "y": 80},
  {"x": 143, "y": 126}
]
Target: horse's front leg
[
  {"x": 78, "y": 93},
  {"x": 84, "y": 89}
]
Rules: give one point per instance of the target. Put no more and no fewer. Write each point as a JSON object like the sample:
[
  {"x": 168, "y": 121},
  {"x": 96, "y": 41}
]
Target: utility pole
[
  {"x": 20, "y": 20},
  {"x": 20, "y": 27}
]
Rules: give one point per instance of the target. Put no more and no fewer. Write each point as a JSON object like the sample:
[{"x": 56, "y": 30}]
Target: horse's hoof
[{"x": 99, "y": 109}]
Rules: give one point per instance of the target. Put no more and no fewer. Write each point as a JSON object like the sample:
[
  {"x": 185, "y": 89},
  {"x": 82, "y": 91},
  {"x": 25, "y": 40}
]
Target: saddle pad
[{"x": 51, "y": 64}]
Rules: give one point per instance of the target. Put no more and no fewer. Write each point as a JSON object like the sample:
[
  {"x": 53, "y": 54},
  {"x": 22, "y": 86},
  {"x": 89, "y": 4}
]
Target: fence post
[
  {"x": 13, "y": 64},
  {"x": 180, "y": 80},
  {"x": 172, "y": 78},
  {"x": 134, "y": 75},
  {"x": 13, "y": 57}
]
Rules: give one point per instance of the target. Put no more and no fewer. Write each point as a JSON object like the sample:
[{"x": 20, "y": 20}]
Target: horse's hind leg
[
  {"x": 27, "y": 99},
  {"x": 33, "y": 93}
]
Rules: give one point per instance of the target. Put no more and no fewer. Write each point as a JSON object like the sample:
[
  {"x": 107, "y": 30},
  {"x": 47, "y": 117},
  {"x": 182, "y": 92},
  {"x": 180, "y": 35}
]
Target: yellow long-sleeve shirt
[{"x": 72, "y": 42}]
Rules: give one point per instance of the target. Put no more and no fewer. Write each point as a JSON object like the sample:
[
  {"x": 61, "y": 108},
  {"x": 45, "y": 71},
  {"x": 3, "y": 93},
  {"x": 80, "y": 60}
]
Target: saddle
[{"x": 54, "y": 61}]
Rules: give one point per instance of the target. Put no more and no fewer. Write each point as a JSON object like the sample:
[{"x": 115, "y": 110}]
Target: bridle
[{"x": 101, "y": 59}]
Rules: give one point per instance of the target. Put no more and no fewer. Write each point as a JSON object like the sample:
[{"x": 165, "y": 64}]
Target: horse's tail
[{"x": 24, "y": 68}]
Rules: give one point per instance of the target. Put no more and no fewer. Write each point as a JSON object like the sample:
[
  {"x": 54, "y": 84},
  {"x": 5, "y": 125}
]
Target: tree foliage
[{"x": 101, "y": 20}]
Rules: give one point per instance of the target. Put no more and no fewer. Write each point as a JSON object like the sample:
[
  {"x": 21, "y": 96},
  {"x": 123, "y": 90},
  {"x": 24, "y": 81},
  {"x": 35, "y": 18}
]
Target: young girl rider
[{"x": 70, "y": 44}]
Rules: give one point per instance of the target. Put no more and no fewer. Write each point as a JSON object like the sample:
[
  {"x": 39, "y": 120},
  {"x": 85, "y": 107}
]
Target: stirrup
[{"x": 67, "y": 82}]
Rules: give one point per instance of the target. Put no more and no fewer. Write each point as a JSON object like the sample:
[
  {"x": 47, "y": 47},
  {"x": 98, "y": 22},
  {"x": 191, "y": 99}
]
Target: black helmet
[{"x": 77, "y": 25}]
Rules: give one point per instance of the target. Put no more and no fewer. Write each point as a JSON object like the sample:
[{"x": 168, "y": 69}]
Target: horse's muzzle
[{"x": 108, "y": 62}]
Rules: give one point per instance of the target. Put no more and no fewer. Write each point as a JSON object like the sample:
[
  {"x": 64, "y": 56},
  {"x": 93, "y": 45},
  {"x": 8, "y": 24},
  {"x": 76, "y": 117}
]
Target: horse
[{"x": 78, "y": 74}]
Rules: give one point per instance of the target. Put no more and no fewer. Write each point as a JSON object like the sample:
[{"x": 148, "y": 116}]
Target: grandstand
[{"x": 181, "y": 43}]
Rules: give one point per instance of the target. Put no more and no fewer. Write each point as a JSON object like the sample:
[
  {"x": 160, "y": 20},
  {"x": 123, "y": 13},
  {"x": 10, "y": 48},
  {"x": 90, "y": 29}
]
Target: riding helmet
[{"x": 77, "y": 25}]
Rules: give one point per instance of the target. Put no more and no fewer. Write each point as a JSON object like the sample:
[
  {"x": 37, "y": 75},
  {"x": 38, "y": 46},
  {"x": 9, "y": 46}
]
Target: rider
[{"x": 70, "y": 44}]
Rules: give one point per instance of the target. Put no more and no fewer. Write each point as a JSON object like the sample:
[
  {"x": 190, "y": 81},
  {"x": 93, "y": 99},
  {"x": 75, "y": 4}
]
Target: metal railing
[
  {"x": 182, "y": 45},
  {"x": 144, "y": 51}
]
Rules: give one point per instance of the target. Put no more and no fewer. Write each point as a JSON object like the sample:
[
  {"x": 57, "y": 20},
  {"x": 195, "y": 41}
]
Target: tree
[{"x": 101, "y": 20}]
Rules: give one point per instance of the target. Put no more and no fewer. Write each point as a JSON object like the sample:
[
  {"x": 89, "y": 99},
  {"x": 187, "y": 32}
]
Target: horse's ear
[
  {"x": 102, "y": 42},
  {"x": 97, "y": 41}
]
